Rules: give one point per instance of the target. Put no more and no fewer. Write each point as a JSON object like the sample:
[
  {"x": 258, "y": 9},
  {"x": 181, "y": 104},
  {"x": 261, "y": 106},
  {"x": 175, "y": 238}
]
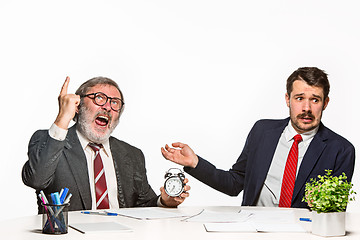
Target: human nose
[
  {"x": 307, "y": 106},
  {"x": 107, "y": 106}
]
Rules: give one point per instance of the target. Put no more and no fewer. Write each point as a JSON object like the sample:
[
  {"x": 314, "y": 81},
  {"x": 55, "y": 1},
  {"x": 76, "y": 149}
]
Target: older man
[{"x": 99, "y": 170}]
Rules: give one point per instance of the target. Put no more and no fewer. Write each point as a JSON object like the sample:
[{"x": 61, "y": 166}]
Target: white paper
[
  {"x": 100, "y": 227},
  {"x": 148, "y": 213},
  {"x": 230, "y": 227},
  {"x": 252, "y": 227},
  {"x": 250, "y": 221},
  {"x": 276, "y": 227},
  {"x": 271, "y": 216},
  {"x": 207, "y": 216}
]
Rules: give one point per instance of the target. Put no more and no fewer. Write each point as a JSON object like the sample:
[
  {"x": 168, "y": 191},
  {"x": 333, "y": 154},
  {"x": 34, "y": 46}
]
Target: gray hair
[{"x": 84, "y": 88}]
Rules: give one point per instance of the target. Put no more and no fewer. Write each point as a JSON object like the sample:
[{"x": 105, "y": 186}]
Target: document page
[
  {"x": 207, "y": 216},
  {"x": 250, "y": 221},
  {"x": 100, "y": 227},
  {"x": 230, "y": 227},
  {"x": 148, "y": 213}
]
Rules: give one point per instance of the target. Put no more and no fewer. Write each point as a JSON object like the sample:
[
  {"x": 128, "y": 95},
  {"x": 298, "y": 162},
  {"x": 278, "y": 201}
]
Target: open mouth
[{"x": 102, "y": 120}]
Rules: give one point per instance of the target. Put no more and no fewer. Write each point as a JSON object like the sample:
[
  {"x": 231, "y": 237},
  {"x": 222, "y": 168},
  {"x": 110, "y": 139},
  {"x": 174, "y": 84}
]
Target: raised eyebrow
[
  {"x": 302, "y": 94},
  {"x": 116, "y": 98},
  {"x": 317, "y": 96},
  {"x": 299, "y": 95}
]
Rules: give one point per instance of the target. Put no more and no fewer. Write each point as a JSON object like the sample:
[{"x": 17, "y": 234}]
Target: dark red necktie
[
  {"x": 102, "y": 199},
  {"x": 288, "y": 182}
]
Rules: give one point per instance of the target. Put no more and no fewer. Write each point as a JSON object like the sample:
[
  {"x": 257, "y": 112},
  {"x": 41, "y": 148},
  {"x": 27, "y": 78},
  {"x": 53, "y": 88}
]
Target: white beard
[{"x": 84, "y": 126}]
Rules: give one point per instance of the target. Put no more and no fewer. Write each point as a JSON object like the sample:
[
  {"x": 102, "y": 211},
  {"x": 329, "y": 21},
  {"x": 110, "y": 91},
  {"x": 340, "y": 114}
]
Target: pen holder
[{"x": 55, "y": 218}]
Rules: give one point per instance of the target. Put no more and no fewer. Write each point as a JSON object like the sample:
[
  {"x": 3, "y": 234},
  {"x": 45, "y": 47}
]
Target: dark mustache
[{"x": 306, "y": 114}]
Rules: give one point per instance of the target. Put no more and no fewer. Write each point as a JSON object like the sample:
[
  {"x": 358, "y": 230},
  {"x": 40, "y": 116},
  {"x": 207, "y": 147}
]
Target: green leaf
[{"x": 328, "y": 193}]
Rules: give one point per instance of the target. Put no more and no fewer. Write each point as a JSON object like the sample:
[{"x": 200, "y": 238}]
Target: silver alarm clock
[{"x": 174, "y": 182}]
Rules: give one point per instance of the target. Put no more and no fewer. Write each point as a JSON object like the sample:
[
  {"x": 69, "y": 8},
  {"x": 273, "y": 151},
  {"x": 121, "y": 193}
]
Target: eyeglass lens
[{"x": 101, "y": 99}]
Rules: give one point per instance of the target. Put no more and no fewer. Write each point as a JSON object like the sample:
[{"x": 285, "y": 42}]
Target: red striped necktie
[
  {"x": 102, "y": 198},
  {"x": 288, "y": 183}
]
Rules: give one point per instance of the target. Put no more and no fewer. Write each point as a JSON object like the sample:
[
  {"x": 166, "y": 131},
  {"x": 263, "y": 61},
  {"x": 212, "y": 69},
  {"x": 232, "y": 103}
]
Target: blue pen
[
  {"x": 305, "y": 219},
  {"x": 63, "y": 194},
  {"x": 100, "y": 213},
  {"x": 57, "y": 201},
  {"x": 57, "y": 198},
  {"x": 67, "y": 200},
  {"x": 53, "y": 200}
]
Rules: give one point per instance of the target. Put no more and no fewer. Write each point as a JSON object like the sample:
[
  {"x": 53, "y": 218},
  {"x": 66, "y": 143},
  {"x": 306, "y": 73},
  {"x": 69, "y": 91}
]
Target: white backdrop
[{"x": 197, "y": 71}]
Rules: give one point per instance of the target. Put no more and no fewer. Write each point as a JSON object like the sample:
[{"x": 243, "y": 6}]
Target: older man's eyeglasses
[{"x": 101, "y": 99}]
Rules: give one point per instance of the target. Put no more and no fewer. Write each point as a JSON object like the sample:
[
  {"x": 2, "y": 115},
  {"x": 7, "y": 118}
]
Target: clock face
[{"x": 173, "y": 186}]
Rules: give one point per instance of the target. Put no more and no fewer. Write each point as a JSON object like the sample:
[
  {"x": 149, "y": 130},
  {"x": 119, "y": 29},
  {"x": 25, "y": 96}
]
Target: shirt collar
[
  {"x": 306, "y": 136},
  {"x": 84, "y": 143}
]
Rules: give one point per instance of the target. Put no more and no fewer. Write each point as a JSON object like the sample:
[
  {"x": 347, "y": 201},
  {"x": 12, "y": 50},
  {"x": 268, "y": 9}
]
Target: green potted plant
[{"x": 327, "y": 197}]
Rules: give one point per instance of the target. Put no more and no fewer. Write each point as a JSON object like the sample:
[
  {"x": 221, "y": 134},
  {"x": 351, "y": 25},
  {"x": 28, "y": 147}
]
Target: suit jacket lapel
[
  {"x": 266, "y": 153},
  {"x": 310, "y": 159},
  {"x": 76, "y": 159},
  {"x": 120, "y": 158}
]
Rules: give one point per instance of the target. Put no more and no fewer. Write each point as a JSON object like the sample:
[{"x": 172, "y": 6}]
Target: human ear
[
  {"x": 287, "y": 99},
  {"x": 326, "y": 103}
]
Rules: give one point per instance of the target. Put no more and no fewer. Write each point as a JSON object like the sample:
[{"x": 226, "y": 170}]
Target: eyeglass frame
[{"x": 107, "y": 99}]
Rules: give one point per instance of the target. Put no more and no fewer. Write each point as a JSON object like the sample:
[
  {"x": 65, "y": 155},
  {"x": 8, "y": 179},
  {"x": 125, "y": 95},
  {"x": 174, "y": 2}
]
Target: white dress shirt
[
  {"x": 105, "y": 153},
  {"x": 270, "y": 192},
  {"x": 109, "y": 170}
]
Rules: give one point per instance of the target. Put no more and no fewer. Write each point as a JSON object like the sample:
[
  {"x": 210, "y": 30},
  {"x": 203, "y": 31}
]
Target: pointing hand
[{"x": 68, "y": 106}]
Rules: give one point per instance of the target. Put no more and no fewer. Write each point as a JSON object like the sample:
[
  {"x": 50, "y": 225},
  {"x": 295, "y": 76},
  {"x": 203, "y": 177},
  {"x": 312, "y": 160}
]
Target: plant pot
[{"x": 328, "y": 224}]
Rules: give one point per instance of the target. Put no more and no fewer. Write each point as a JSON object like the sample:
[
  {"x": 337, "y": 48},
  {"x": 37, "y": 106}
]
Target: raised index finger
[{"x": 64, "y": 88}]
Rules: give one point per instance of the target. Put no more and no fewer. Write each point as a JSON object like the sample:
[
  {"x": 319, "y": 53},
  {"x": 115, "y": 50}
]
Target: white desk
[{"x": 30, "y": 227}]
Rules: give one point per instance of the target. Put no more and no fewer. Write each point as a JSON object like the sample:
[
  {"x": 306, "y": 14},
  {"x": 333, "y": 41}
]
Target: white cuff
[
  {"x": 57, "y": 133},
  {"x": 159, "y": 204}
]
